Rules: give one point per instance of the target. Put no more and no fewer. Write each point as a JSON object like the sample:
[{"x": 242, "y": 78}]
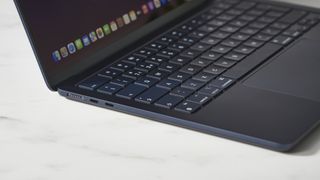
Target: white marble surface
[{"x": 45, "y": 137}]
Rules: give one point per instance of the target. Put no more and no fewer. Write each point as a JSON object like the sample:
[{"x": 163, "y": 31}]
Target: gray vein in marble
[
  {"x": 118, "y": 155},
  {"x": 5, "y": 118}
]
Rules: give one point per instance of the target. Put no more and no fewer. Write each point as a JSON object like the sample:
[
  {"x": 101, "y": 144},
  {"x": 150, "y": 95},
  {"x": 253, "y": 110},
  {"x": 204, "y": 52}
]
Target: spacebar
[{"x": 252, "y": 61}]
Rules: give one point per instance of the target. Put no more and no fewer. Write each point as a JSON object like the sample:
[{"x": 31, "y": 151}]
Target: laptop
[{"x": 246, "y": 70}]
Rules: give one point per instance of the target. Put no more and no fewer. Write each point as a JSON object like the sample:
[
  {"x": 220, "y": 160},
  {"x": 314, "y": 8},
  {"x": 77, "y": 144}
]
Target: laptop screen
[{"x": 66, "y": 32}]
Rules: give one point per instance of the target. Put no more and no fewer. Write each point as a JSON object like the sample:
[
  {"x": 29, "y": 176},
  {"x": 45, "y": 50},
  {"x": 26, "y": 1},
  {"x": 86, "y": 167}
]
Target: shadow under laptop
[{"x": 309, "y": 146}]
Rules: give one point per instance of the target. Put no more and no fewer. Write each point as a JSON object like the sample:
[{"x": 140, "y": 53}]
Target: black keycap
[
  {"x": 210, "y": 91},
  {"x": 178, "y": 46},
  {"x": 166, "y": 40},
  {"x": 249, "y": 31},
  {"x": 221, "y": 49},
  {"x": 181, "y": 92},
  {"x": 146, "y": 67},
  {"x": 156, "y": 60},
  {"x": 192, "y": 84},
  {"x": 179, "y": 76},
  {"x": 210, "y": 41},
  {"x": 200, "y": 47},
  {"x": 293, "y": 16},
  {"x": 230, "y": 43},
  {"x": 131, "y": 91},
  {"x": 199, "y": 98},
  {"x": 207, "y": 28},
  {"x": 283, "y": 40},
  {"x": 185, "y": 28},
  {"x": 240, "y": 37},
  {"x": 279, "y": 25},
  {"x": 109, "y": 89},
  {"x": 155, "y": 46},
  {"x": 238, "y": 23},
  {"x": 190, "y": 69},
  {"x": 121, "y": 81},
  {"x": 222, "y": 82},
  {"x": 226, "y": 17},
  {"x": 168, "y": 53},
  {"x": 274, "y": 14},
  {"x": 258, "y": 25},
  {"x": 220, "y": 35},
  {"x": 244, "y": 50},
  {"x": 169, "y": 101},
  {"x": 197, "y": 34},
  {"x": 204, "y": 77},
  {"x": 176, "y": 33},
  {"x": 190, "y": 53},
  {"x": 187, "y": 40},
  {"x": 145, "y": 52},
  {"x": 168, "y": 84},
  {"x": 188, "y": 107},
  {"x": 93, "y": 83},
  {"x": 133, "y": 59},
  {"x": 122, "y": 66},
  {"x": 247, "y": 17},
  {"x": 210, "y": 55},
  {"x": 225, "y": 63},
  {"x": 180, "y": 60},
  {"x": 234, "y": 56},
  {"x": 133, "y": 74},
  {"x": 271, "y": 31},
  {"x": 253, "y": 43},
  {"x": 215, "y": 70},
  {"x": 229, "y": 29},
  {"x": 217, "y": 22},
  {"x": 151, "y": 95},
  {"x": 201, "y": 62},
  {"x": 109, "y": 73},
  {"x": 158, "y": 74},
  {"x": 266, "y": 19},
  {"x": 262, "y": 37},
  {"x": 169, "y": 67},
  {"x": 147, "y": 82}
]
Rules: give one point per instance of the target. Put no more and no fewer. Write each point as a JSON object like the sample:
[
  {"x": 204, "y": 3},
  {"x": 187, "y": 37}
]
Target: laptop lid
[{"x": 70, "y": 36}]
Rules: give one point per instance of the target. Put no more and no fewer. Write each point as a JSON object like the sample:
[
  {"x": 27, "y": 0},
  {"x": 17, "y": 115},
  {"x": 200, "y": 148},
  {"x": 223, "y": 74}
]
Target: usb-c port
[
  {"x": 94, "y": 101},
  {"x": 109, "y": 105}
]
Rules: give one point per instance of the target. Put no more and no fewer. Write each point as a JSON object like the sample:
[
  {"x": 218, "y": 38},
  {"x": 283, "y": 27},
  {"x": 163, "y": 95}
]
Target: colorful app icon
[
  {"x": 106, "y": 29},
  {"x": 151, "y": 5},
  {"x": 164, "y": 2},
  {"x": 157, "y": 3},
  {"x": 72, "y": 48},
  {"x": 100, "y": 33},
  {"x": 56, "y": 56},
  {"x": 64, "y": 52},
  {"x": 93, "y": 36},
  {"x": 145, "y": 9},
  {"x": 126, "y": 19},
  {"x": 113, "y": 26},
  {"x": 78, "y": 44},
  {"x": 86, "y": 40},
  {"x": 133, "y": 15},
  {"x": 120, "y": 22}
]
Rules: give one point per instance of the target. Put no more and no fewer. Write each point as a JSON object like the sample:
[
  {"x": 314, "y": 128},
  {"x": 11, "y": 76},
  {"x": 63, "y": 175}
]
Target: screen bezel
[{"x": 101, "y": 54}]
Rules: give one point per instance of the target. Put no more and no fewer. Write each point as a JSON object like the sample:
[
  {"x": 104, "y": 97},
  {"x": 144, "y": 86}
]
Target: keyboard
[{"x": 195, "y": 62}]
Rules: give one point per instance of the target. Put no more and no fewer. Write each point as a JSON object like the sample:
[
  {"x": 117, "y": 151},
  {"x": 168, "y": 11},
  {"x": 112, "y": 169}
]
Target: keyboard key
[
  {"x": 234, "y": 56},
  {"x": 168, "y": 84},
  {"x": 220, "y": 35},
  {"x": 122, "y": 66},
  {"x": 190, "y": 69},
  {"x": 188, "y": 107},
  {"x": 215, "y": 70},
  {"x": 210, "y": 91},
  {"x": 200, "y": 47},
  {"x": 133, "y": 59},
  {"x": 109, "y": 89},
  {"x": 200, "y": 62},
  {"x": 145, "y": 52},
  {"x": 109, "y": 73},
  {"x": 168, "y": 53},
  {"x": 168, "y": 101},
  {"x": 210, "y": 41},
  {"x": 262, "y": 37},
  {"x": 131, "y": 91},
  {"x": 146, "y": 67},
  {"x": 187, "y": 40},
  {"x": 254, "y": 43},
  {"x": 166, "y": 40},
  {"x": 180, "y": 60},
  {"x": 244, "y": 50},
  {"x": 230, "y": 43},
  {"x": 121, "y": 81},
  {"x": 197, "y": 34},
  {"x": 283, "y": 40},
  {"x": 151, "y": 95},
  {"x": 190, "y": 53},
  {"x": 155, "y": 46},
  {"x": 147, "y": 82},
  {"x": 133, "y": 74},
  {"x": 181, "y": 92},
  {"x": 93, "y": 83},
  {"x": 221, "y": 49},
  {"x": 169, "y": 67},
  {"x": 225, "y": 63},
  {"x": 210, "y": 55},
  {"x": 158, "y": 74},
  {"x": 222, "y": 82},
  {"x": 156, "y": 60},
  {"x": 293, "y": 16},
  {"x": 240, "y": 37},
  {"x": 178, "y": 46},
  {"x": 192, "y": 84},
  {"x": 179, "y": 76},
  {"x": 204, "y": 77},
  {"x": 199, "y": 98}
]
